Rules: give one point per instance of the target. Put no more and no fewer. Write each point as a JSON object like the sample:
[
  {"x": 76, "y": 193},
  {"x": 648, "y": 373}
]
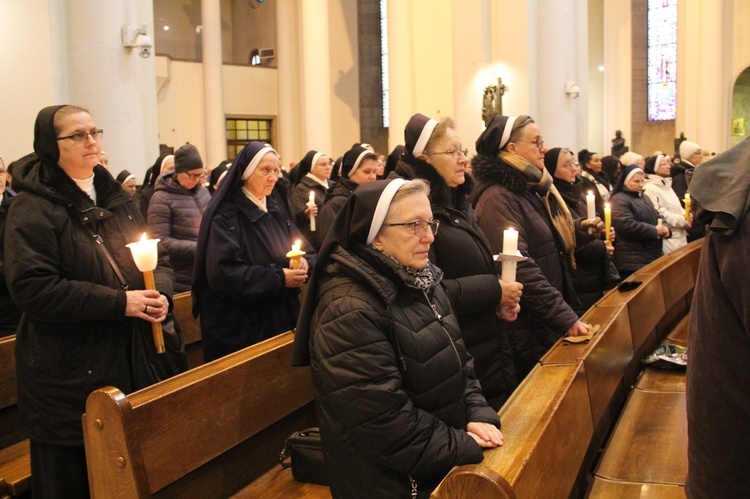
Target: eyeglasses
[
  {"x": 453, "y": 154},
  {"x": 81, "y": 137},
  {"x": 268, "y": 171},
  {"x": 539, "y": 141},
  {"x": 420, "y": 226},
  {"x": 195, "y": 176}
]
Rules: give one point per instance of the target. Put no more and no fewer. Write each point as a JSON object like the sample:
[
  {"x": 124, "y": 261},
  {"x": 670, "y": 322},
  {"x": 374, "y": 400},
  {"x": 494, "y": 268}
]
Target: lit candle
[
  {"x": 687, "y": 206},
  {"x": 310, "y": 204},
  {"x": 590, "y": 207},
  {"x": 607, "y": 223},
  {"x": 295, "y": 254},
  {"x": 145, "y": 255}
]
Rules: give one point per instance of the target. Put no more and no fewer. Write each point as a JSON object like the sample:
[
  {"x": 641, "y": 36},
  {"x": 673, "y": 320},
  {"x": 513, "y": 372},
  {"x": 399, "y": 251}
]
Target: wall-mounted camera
[{"x": 137, "y": 38}]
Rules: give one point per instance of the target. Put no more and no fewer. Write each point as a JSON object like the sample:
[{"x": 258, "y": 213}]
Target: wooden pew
[
  {"x": 554, "y": 426},
  {"x": 190, "y": 326},
  {"x": 15, "y": 461},
  {"x": 205, "y": 433}
]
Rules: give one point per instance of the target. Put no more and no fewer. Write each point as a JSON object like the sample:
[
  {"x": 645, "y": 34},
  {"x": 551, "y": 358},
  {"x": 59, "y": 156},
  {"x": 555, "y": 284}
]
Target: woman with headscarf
[
  {"x": 658, "y": 188},
  {"x": 128, "y": 182},
  {"x": 214, "y": 178},
  {"x": 70, "y": 223},
  {"x": 313, "y": 172},
  {"x": 595, "y": 179},
  {"x": 392, "y": 161},
  {"x": 175, "y": 212},
  {"x": 718, "y": 387},
  {"x": 639, "y": 232},
  {"x": 163, "y": 163},
  {"x": 243, "y": 287},
  {"x": 398, "y": 402},
  {"x": 591, "y": 252},
  {"x": 612, "y": 166},
  {"x": 515, "y": 191},
  {"x": 357, "y": 167},
  {"x": 434, "y": 152}
]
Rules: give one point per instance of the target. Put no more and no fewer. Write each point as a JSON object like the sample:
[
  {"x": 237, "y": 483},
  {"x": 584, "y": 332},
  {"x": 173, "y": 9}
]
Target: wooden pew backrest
[{"x": 139, "y": 444}]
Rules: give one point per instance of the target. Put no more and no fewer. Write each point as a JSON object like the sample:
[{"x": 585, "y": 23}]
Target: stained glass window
[{"x": 662, "y": 60}]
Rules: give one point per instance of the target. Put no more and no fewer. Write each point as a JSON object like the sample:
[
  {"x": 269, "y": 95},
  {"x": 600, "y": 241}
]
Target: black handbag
[
  {"x": 146, "y": 366},
  {"x": 306, "y": 453}
]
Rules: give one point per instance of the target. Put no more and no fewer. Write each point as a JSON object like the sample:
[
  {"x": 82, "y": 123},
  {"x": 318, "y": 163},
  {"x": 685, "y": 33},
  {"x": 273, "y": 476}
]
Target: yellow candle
[
  {"x": 687, "y": 206},
  {"x": 145, "y": 255},
  {"x": 607, "y": 223},
  {"x": 295, "y": 254}
]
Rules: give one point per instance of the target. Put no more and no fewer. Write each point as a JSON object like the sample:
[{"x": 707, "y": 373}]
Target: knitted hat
[
  {"x": 688, "y": 148},
  {"x": 496, "y": 135},
  {"x": 353, "y": 158},
  {"x": 418, "y": 132},
  {"x": 187, "y": 158}
]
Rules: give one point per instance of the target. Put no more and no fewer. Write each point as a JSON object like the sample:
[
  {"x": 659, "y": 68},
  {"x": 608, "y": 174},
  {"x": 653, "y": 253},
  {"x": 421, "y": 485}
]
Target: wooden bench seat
[
  {"x": 205, "y": 433},
  {"x": 190, "y": 326},
  {"x": 553, "y": 439},
  {"x": 15, "y": 461}
]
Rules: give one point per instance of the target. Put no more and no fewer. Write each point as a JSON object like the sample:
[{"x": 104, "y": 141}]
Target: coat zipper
[{"x": 440, "y": 321}]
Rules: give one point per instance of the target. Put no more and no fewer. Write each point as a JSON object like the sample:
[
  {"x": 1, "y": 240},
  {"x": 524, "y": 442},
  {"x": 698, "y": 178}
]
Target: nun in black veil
[
  {"x": 243, "y": 286},
  {"x": 398, "y": 401}
]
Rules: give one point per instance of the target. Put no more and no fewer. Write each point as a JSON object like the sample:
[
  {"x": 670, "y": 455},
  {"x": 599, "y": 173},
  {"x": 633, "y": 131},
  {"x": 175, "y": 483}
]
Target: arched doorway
[{"x": 741, "y": 107}]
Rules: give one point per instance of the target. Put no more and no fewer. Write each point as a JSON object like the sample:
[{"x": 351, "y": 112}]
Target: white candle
[
  {"x": 590, "y": 207},
  {"x": 607, "y": 222},
  {"x": 310, "y": 204},
  {"x": 145, "y": 253},
  {"x": 510, "y": 241}
]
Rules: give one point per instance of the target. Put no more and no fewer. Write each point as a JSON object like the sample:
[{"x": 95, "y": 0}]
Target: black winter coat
[
  {"x": 245, "y": 300},
  {"x": 298, "y": 205},
  {"x": 504, "y": 199},
  {"x": 74, "y": 336},
  {"x": 395, "y": 387},
  {"x": 174, "y": 216},
  {"x": 634, "y": 219},
  {"x": 10, "y": 315},
  {"x": 591, "y": 254},
  {"x": 335, "y": 199},
  {"x": 464, "y": 255}
]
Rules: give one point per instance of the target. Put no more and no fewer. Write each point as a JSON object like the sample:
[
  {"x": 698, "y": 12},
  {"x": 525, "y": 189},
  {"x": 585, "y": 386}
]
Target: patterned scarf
[
  {"x": 541, "y": 182},
  {"x": 423, "y": 278}
]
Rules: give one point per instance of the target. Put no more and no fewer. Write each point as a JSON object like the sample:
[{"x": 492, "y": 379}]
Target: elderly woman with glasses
[
  {"x": 398, "y": 402},
  {"x": 244, "y": 285},
  {"x": 434, "y": 152},
  {"x": 175, "y": 211},
  {"x": 514, "y": 190},
  {"x": 70, "y": 223}
]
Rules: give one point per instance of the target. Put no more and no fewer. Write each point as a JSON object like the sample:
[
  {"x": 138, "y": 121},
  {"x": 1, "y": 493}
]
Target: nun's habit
[
  {"x": 305, "y": 184},
  {"x": 238, "y": 280},
  {"x": 394, "y": 385}
]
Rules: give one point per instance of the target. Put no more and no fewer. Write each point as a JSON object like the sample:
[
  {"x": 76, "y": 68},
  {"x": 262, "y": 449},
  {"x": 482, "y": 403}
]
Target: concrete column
[
  {"x": 213, "y": 81},
  {"x": 617, "y": 72},
  {"x": 289, "y": 125},
  {"x": 558, "y": 63},
  {"x": 714, "y": 96},
  {"x": 401, "y": 80},
  {"x": 316, "y": 78},
  {"x": 115, "y": 84}
]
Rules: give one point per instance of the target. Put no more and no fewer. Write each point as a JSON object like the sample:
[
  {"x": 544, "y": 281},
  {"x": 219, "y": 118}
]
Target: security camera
[{"x": 144, "y": 45}]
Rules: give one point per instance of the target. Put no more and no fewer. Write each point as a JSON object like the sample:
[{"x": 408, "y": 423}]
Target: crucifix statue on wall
[{"x": 492, "y": 101}]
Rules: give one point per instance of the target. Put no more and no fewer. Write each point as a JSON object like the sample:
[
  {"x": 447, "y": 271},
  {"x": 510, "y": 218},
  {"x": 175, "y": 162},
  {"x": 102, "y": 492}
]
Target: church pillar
[
  {"x": 316, "y": 79},
  {"x": 289, "y": 125},
  {"x": 401, "y": 79},
  {"x": 213, "y": 89},
  {"x": 115, "y": 84}
]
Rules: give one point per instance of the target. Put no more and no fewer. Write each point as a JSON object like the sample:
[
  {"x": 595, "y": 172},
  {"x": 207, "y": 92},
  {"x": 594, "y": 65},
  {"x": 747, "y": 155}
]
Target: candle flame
[
  {"x": 591, "y": 193},
  {"x": 143, "y": 237},
  {"x": 296, "y": 246},
  {"x": 606, "y": 206}
]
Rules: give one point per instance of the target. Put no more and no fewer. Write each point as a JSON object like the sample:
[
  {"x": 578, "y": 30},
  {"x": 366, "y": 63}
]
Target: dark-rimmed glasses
[
  {"x": 453, "y": 154},
  {"x": 81, "y": 137},
  {"x": 419, "y": 226},
  {"x": 196, "y": 176},
  {"x": 539, "y": 142}
]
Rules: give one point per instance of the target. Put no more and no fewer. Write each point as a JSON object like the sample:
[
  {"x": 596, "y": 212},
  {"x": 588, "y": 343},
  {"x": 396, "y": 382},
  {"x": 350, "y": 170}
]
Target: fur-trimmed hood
[{"x": 489, "y": 171}]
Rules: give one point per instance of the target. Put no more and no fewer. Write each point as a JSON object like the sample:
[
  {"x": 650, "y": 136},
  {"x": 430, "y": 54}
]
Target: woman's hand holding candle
[
  {"x": 145, "y": 255},
  {"x": 138, "y": 300}
]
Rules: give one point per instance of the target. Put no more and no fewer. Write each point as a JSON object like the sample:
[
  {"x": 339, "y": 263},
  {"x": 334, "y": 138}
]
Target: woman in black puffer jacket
[
  {"x": 639, "y": 236},
  {"x": 397, "y": 399},
  {"x": 175, "y": 212},
  {"x": 472, "y": 276}
]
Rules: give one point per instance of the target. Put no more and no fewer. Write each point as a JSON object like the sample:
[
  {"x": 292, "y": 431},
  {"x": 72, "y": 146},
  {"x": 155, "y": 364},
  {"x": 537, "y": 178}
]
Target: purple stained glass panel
[{"x": 662, "y": 60}]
